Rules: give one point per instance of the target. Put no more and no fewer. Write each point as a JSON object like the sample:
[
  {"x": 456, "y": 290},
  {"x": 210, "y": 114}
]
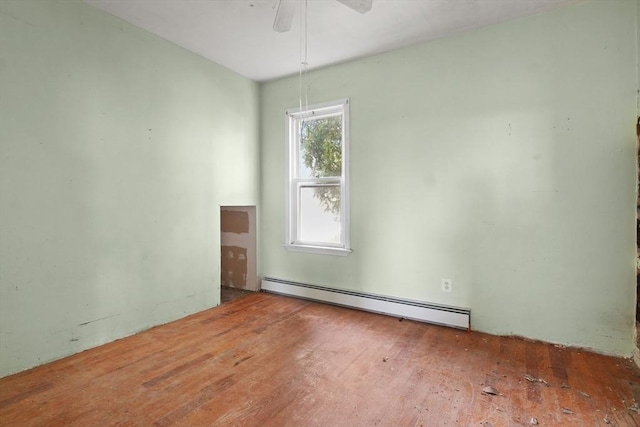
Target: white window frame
[{"x": 292, "y": 120}]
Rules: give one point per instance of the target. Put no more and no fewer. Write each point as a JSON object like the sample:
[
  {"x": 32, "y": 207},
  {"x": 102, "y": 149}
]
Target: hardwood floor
[
  {"x": 228, "y": 294},
  {"x": 267, "y": 360}
]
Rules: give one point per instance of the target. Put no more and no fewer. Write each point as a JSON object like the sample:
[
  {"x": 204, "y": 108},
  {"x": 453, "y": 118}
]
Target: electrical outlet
[{"x": 447, "y": 285}]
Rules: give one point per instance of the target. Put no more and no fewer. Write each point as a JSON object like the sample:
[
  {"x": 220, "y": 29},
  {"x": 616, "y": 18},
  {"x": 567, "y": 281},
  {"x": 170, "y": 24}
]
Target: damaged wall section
[{"x": 238, "y": 247}]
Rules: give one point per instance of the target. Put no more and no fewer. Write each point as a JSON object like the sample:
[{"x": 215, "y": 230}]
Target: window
[{"x": 317, "y": 179}]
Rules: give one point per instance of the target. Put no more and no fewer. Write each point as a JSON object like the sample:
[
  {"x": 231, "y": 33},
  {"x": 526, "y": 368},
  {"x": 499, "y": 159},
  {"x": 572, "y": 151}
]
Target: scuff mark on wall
[{"x": 97, "y": 320}]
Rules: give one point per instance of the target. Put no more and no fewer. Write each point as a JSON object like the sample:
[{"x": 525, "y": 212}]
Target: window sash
[
  {"x": 297, "y": 186},
  {"x": 295, "y": 130}
]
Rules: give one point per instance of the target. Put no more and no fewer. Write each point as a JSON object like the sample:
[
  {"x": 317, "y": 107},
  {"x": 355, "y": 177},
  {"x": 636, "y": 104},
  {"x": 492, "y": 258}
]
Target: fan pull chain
[{"x": 303, "y": 56}]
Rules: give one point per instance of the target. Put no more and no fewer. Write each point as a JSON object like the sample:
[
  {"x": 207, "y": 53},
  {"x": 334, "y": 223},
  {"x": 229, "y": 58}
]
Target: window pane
[
  {"x": 320, "y": 151},
  {"x": 319, "y": 219}
]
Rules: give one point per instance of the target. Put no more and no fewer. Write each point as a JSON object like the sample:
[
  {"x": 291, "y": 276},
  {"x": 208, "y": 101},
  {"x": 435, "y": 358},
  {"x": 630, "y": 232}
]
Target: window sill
[{"x": 320, "y": 250}]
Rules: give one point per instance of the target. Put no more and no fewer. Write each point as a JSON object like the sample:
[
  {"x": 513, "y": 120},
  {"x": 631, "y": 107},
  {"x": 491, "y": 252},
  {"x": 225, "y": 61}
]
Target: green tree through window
[{"x": 321, "y": 152}]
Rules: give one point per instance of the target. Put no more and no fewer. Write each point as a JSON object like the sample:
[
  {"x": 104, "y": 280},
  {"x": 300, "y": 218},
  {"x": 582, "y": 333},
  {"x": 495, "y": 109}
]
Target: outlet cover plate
[{"x": 447, "y": 285}]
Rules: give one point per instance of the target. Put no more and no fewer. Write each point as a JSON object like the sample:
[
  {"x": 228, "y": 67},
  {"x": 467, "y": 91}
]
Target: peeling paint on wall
[
  {"x": 234, "y": 266},
  {"x": 238, "y": 259}
]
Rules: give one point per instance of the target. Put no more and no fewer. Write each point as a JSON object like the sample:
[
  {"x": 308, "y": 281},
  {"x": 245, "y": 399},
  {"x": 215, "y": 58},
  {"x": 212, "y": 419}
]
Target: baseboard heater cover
[{"x": 456, "y": 317}]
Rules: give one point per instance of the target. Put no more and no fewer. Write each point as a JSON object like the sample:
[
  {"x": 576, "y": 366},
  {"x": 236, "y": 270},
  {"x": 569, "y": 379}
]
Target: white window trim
[{"x": 342, "y": 106}]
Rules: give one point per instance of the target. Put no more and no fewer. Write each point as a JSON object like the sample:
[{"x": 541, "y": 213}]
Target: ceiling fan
[{"x": 286, "y": 9}]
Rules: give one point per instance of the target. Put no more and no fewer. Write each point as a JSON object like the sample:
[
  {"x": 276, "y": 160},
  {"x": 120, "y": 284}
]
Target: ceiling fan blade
[
  {"x": 362, "y": 6},
  {"x": 284, "y": 15}
]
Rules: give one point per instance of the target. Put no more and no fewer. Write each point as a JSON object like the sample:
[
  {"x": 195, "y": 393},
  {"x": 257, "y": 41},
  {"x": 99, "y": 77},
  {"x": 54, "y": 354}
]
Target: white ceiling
[{"x": 238, "y": 34}]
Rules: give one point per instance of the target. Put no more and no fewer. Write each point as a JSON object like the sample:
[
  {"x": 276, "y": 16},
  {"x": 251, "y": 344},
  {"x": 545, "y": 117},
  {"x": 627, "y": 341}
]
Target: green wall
[
  {"x": 502, "y": 158},
  {"x": 116, "y": 150}
]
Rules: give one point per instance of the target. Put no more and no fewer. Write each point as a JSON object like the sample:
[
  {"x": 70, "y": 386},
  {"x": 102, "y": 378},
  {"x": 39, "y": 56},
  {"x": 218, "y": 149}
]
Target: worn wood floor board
[
  {"x": 367, "y": 373},
  {"x": 324, "y": 366},
  {"x": 327, "y": 365},
  {"x": 401, "y": 354},
  {"x": 268, "y": 360}
]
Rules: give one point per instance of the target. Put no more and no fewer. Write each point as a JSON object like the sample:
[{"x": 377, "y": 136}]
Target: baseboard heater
[{"x": 455, "y": 317}]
